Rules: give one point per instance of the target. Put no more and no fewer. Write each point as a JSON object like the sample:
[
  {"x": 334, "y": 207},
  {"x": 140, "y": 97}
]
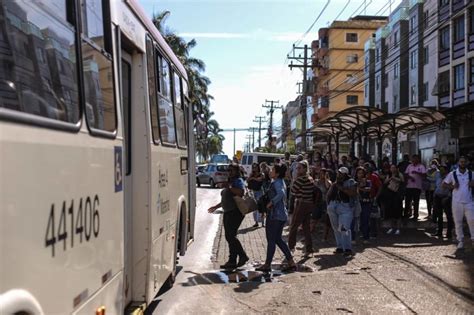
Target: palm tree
[{"x": 211, "y": 142}]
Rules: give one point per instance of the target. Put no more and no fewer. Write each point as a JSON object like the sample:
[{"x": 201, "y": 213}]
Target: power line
[{"x": 312, "y": 25}]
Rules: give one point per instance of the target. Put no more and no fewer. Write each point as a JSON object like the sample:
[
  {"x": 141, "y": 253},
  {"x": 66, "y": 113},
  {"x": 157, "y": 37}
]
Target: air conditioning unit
[{"x": 352, "y": 59}]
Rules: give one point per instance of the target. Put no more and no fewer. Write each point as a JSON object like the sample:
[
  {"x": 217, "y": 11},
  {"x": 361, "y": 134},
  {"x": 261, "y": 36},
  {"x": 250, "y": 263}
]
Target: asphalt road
[{"x": 196, "y": 261}]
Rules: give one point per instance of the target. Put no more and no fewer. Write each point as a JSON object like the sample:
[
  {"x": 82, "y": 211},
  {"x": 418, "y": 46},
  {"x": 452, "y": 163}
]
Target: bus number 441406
[{"x": 83, "y": 222}]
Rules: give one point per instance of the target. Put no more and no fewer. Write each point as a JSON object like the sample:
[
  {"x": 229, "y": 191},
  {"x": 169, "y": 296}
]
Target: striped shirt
[{"x": 302, "y": 188}]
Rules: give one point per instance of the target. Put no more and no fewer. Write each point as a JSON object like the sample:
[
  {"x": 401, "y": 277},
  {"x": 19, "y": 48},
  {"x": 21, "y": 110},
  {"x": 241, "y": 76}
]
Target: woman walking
[
  {"x": 277, "y": 215},
  {"x": 393, "y": 199},
  {"x": 232, "y": 217},
  {"x": 254, "y": 184}
]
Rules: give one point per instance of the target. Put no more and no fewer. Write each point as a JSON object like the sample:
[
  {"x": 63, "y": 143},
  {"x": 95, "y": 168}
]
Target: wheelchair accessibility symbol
[{"x": 118, "y": 168}]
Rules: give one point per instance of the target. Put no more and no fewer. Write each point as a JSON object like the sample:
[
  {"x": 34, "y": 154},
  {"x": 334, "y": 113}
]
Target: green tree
[{"x": 212, "y": 141}]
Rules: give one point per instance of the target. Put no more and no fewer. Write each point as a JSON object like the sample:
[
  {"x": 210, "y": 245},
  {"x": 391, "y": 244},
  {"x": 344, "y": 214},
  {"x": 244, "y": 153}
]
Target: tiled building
[
  {"x": 338, "y": 61},
  {"x": 425, "y": 57}
]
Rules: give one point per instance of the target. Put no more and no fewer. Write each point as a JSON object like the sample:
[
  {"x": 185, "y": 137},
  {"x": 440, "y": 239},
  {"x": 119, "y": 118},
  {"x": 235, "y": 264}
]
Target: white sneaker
[
  {"x": 397, "y": 232},
  {"x": 460, "y": 245},
  {"x": 390, "y": 231}
]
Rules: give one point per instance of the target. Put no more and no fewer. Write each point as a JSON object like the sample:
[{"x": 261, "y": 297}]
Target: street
[{"x": 410, "y": 273}]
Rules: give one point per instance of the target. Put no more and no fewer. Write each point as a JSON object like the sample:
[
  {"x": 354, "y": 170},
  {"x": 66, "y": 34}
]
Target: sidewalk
[{"x": 409, "y": 273}]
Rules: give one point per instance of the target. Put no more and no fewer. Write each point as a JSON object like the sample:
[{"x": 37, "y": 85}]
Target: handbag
[
  {"x": 246, "y": 204},
  {"x": 393, "y": 185},
  {"x": 375, "y": 211}
]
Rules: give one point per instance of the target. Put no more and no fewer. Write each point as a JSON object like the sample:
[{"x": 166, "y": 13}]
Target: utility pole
[
  {"x": 272, "y": 105},
  {"x": 253, "y": 129},
  {"x": 260, "y": 120},
  {"x": 305, "y": 66},
  {"x": 248, "y": 138}
]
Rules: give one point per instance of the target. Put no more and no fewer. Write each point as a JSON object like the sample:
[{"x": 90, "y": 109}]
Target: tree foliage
[{"x": 209, "y": 141}]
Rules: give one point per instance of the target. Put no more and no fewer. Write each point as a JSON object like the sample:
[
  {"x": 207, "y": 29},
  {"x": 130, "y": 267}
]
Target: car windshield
[{"x": 223, "y": 168}]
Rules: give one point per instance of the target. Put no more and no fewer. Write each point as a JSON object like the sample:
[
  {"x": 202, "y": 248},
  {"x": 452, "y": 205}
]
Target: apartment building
[{"x": 338, "y": 64}]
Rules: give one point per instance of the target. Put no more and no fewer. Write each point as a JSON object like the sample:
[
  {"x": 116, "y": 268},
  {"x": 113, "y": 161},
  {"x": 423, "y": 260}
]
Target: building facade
[{"x": 338, "y": 64}]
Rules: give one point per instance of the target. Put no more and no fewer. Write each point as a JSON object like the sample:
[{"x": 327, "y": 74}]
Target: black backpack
[{"x": 469, "y": 172}]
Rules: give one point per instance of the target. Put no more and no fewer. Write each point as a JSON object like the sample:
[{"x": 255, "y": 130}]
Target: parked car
[
  {"x": 212, "y": 174},
  {"x": 200, "y": 168}
]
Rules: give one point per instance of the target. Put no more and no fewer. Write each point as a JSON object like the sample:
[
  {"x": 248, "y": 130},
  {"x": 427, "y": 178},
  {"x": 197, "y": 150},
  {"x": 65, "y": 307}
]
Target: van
[{"x": 251, "y": 157}]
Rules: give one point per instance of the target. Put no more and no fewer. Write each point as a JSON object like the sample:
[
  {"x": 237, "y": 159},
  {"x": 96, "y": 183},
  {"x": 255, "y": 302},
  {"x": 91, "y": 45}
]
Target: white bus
[{"x": 96, "y": 144}]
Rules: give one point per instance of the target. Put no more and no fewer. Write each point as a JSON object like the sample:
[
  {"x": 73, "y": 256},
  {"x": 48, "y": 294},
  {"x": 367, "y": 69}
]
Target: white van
[{"x": 251, "y": 157}]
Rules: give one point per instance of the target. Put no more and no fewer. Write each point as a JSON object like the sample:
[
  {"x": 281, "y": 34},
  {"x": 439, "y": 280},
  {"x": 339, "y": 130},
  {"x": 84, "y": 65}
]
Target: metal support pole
[
  {"x": 379, "y": 151},
  {"x": 337, "y": 145},
  {"x": 234, "y": 143},
  {"x": 394, "y": 147}
]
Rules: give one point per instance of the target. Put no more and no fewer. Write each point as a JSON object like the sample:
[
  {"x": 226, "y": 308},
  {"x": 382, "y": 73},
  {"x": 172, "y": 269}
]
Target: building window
[
  {"x": 353, "y": 58},
  {"x": 458, "y": 77},
  {"x": 377, "y": 55},
  {"x": 395, "y": 39},
  {"x": 396, "y": 71},
  {"x": 385, "y": 80},
  {"x": 413, "y": 94},
  {"x": 471, "y": 20},
  {"x": 412, "y": 24},
  {"x": 444, "y": 38},
  {"x": 366, "y": 90},
  {"x": 377, "y": 82},
  {"x": 352, "y": 99},
  {"x": 426, "y": 19},
  {"x": 425, "y": 92},
  {"x": 458, "y": 29},
  {"x": 413, "y": 59},
  {"x": 395, "y": 101},
  {"x": 443, "y": 86},
  {"x": 351, "y": 38},
  {"x": 471, "y": 73},
  {"x": 426, "y": 55},
  {"x": 367, "y": 61}
]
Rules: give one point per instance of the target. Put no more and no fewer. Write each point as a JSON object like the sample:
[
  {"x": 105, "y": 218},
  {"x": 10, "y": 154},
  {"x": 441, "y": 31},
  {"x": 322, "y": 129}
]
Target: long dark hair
[
  {"x": 280, "y": 170},
  {"x": 236, "y": 168}
]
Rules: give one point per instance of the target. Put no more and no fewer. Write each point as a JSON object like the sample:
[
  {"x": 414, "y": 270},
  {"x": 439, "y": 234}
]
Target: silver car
[{"x": 213, "y": 173}]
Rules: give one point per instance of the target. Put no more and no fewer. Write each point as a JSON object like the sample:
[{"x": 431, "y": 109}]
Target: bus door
[{"x": 136, "y": 169}]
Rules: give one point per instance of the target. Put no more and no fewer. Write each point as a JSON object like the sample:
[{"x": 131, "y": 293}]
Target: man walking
[
  {"x": 460, "y": 181},
  {"x": 302, "y": 191},
  {"x": 414, "y": 173}
]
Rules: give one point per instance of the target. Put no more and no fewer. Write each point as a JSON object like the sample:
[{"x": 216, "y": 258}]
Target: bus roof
[{"x": 145, "y": 19}]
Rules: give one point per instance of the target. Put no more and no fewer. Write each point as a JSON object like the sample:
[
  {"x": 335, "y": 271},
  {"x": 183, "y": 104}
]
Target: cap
[
  {"x": 304, "y": 163},
  {"x": 343, "y": 170}
]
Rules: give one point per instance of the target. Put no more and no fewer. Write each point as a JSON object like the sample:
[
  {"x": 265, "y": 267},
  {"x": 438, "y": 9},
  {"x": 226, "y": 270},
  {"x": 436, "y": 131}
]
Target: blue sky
[{"x": 244, "y": 44}]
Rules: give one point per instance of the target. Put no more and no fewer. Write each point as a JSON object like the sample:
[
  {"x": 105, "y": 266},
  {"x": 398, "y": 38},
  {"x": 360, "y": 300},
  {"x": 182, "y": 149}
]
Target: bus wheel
[{"x": 211, "y": 182}]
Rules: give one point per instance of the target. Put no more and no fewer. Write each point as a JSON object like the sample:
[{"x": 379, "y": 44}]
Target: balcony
[
  {"x": 471, "y": 42},
  {"x": 471, "y": 92},
  {"x": 443, "y": 13},
  {"x": 444, "y": 101},
  {"x": 458, "y": 97},
  {"x": 457, "y": 5},
  {"x": 443, "y": 57},
  {"x": 459, "y": 49}
]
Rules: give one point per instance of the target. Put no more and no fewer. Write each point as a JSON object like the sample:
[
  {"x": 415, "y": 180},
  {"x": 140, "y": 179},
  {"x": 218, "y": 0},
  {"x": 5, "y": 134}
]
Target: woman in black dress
[{"x": 393, "y": 199}]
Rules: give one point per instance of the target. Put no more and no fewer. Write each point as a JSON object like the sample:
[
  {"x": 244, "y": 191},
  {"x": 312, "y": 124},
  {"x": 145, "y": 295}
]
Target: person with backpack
[
  {"x": 461, "y": 183},
  {"x": 302, "y": 190},
  {"x": 340, "y": 212},
  {"x": 276, "y": 218}
]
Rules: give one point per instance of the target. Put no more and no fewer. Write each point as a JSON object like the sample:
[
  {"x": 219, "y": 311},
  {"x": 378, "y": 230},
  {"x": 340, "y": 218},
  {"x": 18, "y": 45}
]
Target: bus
[{"x": 97, "y": 199}]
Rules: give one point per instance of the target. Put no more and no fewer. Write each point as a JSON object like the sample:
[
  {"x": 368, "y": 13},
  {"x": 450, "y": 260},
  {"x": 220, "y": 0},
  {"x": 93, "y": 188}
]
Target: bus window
[
  {"x": 178, "y": 111},
  {"x": 249, "y": 160},
  {"x": 267, "y": 159},
  {"x": 38, "y": 64},
  {"x": 165, "y": 109},
  {"x": 152, "y": 89},
  {"x": 97, "y": 68}
]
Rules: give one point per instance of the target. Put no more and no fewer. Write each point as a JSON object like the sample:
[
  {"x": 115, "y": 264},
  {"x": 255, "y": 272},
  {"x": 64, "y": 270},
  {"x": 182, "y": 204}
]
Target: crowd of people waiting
[{"x": 351, "y": 196}]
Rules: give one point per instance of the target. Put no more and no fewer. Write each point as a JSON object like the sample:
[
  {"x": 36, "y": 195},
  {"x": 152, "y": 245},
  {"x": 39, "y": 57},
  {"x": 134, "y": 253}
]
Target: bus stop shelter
[{"x": 361, "y": 123}]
